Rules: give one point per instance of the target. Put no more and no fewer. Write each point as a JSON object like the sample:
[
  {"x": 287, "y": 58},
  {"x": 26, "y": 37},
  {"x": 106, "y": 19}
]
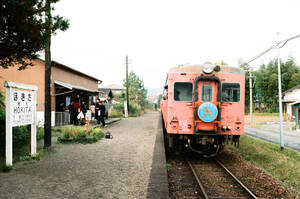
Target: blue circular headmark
[{"x": 207, "y": 112}]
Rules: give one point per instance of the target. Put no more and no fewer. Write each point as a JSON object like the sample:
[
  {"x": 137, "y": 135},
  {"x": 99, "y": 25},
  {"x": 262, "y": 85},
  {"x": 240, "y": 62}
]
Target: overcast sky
[{"x": 160, "y": 34}]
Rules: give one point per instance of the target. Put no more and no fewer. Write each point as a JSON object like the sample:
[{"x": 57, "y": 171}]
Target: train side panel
[
  {"x": 232, "y": 113},
  {"x": 180, "y": 108}
]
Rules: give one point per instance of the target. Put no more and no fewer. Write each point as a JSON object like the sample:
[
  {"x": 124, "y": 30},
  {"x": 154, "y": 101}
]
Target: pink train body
[{"x": 203, "y": 110}]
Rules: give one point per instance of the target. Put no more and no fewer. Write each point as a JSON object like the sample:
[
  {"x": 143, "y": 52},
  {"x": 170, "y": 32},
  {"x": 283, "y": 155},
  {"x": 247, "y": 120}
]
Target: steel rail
[
  {"x": 198, "y": 180},
  {"x": 237, "y": 180}
]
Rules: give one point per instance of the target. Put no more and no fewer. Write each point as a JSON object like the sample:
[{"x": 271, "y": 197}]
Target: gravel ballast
[{"x": 111, "y": 168}]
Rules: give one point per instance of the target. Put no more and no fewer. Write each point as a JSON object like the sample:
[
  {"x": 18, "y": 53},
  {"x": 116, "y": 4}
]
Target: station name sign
[{"x": 22, "y": 107}]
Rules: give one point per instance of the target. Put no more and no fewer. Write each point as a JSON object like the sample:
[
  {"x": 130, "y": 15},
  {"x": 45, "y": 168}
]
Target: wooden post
[
  {"x": 47, "y": 108},
  {"x": 88, "y": 117},
  {"x": 33, "y": 144},
  {"x": 127, "y": 92},
  {"x": 8, "y": 130},
  {"x": 87, "y": 123}
]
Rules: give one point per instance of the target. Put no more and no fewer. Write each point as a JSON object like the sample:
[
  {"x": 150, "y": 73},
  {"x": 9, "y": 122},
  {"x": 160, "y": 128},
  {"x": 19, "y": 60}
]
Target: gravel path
[{"x": 111, "y": 168}]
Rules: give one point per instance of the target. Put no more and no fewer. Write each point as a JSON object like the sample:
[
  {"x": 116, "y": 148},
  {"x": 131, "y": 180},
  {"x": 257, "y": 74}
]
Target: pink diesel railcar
[{"x": 203, "y": 107}]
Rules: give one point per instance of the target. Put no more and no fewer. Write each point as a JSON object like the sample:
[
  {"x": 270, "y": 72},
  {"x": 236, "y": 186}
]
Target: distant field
[{"x": 259, "y": 118}]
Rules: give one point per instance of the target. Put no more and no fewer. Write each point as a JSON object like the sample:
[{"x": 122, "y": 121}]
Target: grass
[
  {"x": 283, "y": 165},
  {"x": 113, "y": 113},
  {"x": 22, "y": 157},
  {"x": 4, "y": 167},
  {"x": 169, "y": 166},
  {"x": 78, "y": 134}
]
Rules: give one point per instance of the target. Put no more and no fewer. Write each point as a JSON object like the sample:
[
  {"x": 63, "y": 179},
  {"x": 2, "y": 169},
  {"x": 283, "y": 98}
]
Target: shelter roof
[
  {"x": 291, "y": 89},
  {"x": 72, "y": 86},
  {"x": 296, "y": 102},
  {"x": 55, "y": 63}
]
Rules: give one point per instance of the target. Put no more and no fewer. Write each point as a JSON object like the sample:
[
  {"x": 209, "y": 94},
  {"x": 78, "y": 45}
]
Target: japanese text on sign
[{"x": 22, "y": 107}]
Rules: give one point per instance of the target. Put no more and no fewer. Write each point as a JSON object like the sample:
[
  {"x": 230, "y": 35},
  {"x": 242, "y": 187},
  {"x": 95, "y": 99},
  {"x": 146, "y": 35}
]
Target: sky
[{"x": 160, "y": 34}]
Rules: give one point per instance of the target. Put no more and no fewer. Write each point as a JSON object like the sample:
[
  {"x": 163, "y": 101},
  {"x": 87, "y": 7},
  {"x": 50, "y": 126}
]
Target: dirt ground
[
  {"x": 259, "y": 120},
  {"x": 111, "y": 168}
]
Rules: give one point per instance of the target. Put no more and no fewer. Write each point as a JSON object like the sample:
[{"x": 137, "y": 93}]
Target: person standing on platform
[
  {"x": 83, "y": 110},
  {"x": 97, "y": 111},
  {"x": 92, "y": 108},
  {"x": 72, "y": 112},
  {"x": 102, "y": 113},
  {"x": 77, "y": 110}
]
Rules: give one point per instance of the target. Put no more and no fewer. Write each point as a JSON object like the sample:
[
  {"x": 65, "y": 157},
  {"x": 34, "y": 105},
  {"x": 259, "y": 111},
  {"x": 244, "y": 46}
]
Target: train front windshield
[
  {"x": 230, "y": 92},
  {"x": 183, "y": 91}
]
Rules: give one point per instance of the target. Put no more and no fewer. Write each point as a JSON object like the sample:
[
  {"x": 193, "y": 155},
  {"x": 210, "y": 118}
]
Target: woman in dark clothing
[
  {"x": 102, "y": 111},
  {"x": 83, "y": 107},
  {"x": 72, "y": 113},
  {"x": 97, "y": 111}
]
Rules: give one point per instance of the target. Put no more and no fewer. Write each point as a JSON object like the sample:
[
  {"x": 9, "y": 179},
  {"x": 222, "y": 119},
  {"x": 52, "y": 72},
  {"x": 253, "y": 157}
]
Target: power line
[{"x": 277, "y": 46}]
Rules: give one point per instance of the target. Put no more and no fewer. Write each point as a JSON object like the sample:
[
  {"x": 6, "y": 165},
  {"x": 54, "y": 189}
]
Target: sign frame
[{"x": 10, "y": 87}]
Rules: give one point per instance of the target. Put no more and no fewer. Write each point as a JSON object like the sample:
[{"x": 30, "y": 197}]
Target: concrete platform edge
[{"x": 158, "y": 185}]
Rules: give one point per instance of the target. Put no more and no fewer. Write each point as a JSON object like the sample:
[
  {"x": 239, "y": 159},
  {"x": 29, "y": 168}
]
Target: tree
[
  {"x": 246, "y": 68},
  {"x": 137, "y": 91},
  {"x": 21, "y": 31},
  {"x": 51, "y": 25},
  {"x": 158, "y": 100},
  {"x": 26, "y": 27},
  {"x": 265, "y": 91}
]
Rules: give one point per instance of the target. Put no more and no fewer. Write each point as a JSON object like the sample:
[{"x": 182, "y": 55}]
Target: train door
[
  {"x": 207, "y": 105},
  {"x": 181, "y": 109}
]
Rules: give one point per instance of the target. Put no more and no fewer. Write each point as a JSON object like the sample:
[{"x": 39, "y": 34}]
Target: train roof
[{"x": 198, "y": 69}]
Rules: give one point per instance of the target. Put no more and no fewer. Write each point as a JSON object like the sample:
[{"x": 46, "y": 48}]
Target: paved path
[
  {"x": 291, "y": 138},
  {"x": 111, "y": 168}
]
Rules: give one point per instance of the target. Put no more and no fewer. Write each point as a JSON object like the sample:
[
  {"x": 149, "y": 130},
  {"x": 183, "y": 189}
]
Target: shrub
[
  {"x": 79, "y": 135},
  {"x": 21, "y": 136},
  {"x": 39, "y": 133},
  {"x": 113, "y": 113},
  {"x": 135, "y": 110},
  {"x": 116, "y": 110},
  {"x": 97, "y": 133},
  {"x": 2, "y": 131}
]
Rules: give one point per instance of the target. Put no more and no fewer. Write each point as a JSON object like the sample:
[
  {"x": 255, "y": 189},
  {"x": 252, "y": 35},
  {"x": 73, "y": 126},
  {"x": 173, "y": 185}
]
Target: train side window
[
  {"x": 206, "y": 93},
  {"x": 230, "y": 92},
  {"x": 183, "y": 91}
]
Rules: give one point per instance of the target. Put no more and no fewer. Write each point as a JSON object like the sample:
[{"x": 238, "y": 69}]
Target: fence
[{"x": 62, "y": 118}]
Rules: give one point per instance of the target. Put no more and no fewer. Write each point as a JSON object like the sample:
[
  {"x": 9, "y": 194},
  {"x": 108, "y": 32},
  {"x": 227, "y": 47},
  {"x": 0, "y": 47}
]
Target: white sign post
[{"x": 20, "y": 110}]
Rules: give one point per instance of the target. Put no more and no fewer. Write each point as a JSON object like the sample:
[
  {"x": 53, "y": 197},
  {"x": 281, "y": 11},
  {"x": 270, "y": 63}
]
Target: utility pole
[
  {"x": 277, "y": 46},
  {"x": 280, "y": 96},
  {"x": 47, "y": 107},
  {"x": 251, "y": 108},
  {"x": 127, "y": 93}
]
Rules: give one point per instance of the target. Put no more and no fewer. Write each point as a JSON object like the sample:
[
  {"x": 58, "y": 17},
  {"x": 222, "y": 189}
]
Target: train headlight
[{"x": 208, "y": 67}]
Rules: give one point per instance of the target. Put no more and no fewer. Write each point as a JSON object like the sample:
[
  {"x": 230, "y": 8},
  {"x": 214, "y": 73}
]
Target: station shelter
[
  {"x": 67, "y": 84},
  {"x": 296, "y": 106}
]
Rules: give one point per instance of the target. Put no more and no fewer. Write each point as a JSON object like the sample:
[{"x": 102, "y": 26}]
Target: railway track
[{"x": 216, "y": 181}]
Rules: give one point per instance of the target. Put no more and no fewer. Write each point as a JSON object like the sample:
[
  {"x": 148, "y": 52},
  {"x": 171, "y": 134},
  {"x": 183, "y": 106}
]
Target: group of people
[{"x": 76, "y": 109}]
